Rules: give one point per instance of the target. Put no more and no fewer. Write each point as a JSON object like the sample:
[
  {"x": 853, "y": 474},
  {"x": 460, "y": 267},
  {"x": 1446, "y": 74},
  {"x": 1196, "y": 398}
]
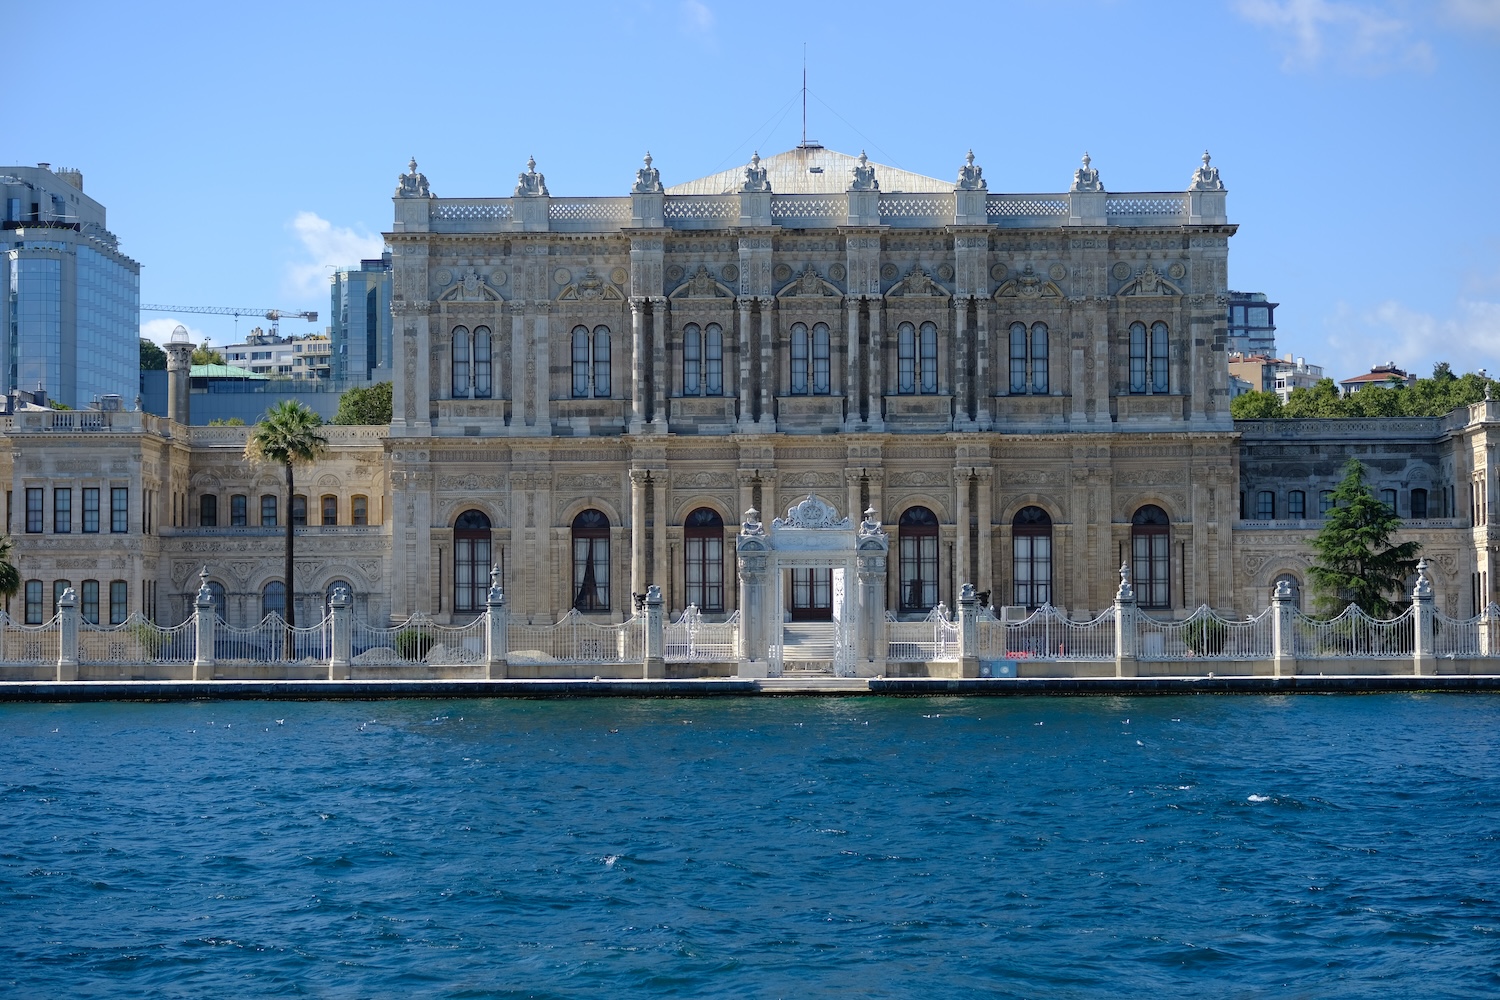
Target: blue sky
[{"x": 244, "y": 150}]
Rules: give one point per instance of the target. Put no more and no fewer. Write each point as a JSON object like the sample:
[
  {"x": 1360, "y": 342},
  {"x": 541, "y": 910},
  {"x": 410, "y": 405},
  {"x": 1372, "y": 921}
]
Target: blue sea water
[{"x": 1311, "y": 846}]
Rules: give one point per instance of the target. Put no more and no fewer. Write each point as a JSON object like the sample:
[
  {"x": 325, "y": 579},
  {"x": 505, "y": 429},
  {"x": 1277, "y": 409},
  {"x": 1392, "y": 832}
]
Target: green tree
[
  {"x": 205, "y": 355},
  {"x": 153, "y": 358},
  {"x": 1321, "y": 400},
  {"x": 10, "y": 577},
  {"x": 227, "y": 422},
  {"x": 1255, "y": 406},
  {"x": 287, "y": 436},
  {"x": 1356, "y": 562},
  {"x": 370, "y": 405}
]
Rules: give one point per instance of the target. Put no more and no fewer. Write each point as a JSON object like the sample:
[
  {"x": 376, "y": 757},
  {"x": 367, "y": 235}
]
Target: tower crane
[{"x": 273, "y": 315}]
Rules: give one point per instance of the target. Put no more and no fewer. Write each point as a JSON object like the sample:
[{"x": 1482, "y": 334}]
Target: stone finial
[
  {"x": 647, "y": 179},
  {"x": 751, "y": 524},
  {"x": 1206, "y": 178},
  {"x": 1086, "y": 178},
  {"x": 1283, "y": 591},
  {"x": 970, "y": 177},
  {"x": 205, "y": 596},
  {"x": 653, "y": 594},
  {"x": 871, "y": 524},
  {"x": 864, "y": 175},
  {"x": 496, "y": 595},
  {"x": 1126, "y": 591},
  {"x": 967, "y": 594},
  {"x": 1423, "y": 589},
  {"x": 755, "y": 176},
  {"x": 412, "y": 184},
  {"x": 531, "y": 184}
]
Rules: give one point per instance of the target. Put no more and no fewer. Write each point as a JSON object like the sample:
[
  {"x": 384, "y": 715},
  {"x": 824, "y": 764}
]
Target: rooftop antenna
[{"x": 806, "y": 143}]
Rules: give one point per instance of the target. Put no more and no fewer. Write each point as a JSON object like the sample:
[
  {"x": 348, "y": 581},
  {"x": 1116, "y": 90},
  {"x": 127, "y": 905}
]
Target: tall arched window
[
  {"x": 219, "y": 598},
  {"x": 471, "y": 561},
  {"x": 471, "y": 363},
  {"x": 702, "y": 360},
  {"x": 1029, "y": 352},
  {"x": 591, "y": 361},
  {"x": 1265, "y": 505},
  {"x": 330, "y": 505},
  {"x": 273, "y": 599},
  {"x": 88, "y": 601},
  {"x": 1419, "y": 503},
  {"x": 208, "y": 511},
  {"x": 1031, "y": 541},
  {"x": 703, "y": 535},
  {"x": 916, "y": 358},
  {"x": 692, "y": 360},
  {"x": 919, "y": 559},
  {"x": 1149, "y": 359},
  {"x": 591, "y": 561},
  {"x": 821, "y": 380},
  {"x": 800, "y": 360},
  {"x": 1150, "y": 550}
]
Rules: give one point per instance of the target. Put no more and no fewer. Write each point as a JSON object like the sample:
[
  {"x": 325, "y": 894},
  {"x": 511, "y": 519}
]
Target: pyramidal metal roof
[{"x": 812, "y": 170}]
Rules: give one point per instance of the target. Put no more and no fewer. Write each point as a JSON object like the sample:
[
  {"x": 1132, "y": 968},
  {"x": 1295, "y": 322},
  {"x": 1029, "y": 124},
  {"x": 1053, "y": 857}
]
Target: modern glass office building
[
  {"x": 71, "y": 303},
  {"x": 360, "y": 328}
]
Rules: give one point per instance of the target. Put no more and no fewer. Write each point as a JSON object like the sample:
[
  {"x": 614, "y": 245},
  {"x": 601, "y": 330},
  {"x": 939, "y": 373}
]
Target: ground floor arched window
[
  {"x": 471, "y": 561},
  {"x": 591, "y": 561},
  {"x": 918, "y": 529},
  {"x": 1150, "y": 557},
  {"x": 1031, "y": 563},
  {"x": 273, "y": 599},
  {"x": 703, "y": 537}
]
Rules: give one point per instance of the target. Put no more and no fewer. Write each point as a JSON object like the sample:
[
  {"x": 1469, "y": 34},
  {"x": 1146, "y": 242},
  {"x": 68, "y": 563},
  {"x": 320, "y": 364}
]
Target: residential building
[
  {"x": 1252, "y": 323},
  {"x": 360, "y": 307},
  {"x": 1279, "y": 375},
  {"x": 1381, "y": 376},
  {"x": 70, "y": 312}
]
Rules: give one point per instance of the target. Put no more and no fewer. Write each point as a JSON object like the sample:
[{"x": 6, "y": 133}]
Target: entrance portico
[{"x": 812, "y": 550}]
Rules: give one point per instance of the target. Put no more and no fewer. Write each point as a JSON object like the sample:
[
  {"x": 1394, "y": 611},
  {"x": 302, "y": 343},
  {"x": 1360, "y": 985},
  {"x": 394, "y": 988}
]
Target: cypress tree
[{"x": 1357, "y": 564}]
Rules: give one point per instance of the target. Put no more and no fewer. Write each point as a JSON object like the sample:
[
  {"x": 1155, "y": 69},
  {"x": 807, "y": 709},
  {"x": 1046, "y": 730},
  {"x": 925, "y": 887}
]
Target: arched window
[
  {"x": 1419, "y": 503},
  {"x": 1150, "y": 550},
  {"x": 919, "y": 559},
  {"x": 799, "y": 357},
  {"x": 359, "y": 507},
  {"x": 591, "y": 362},
  {"x": 471, "y": 561},
  {"x": 713, "y": 360},
  {"x": 119, "y": 602},
  {"x": 330, "y": 504},
  {"x": 33, "y": 602},
  {"x": 483, "y": 382},
  {"x": 1265, "y": 505},
  {"x": 1029, "y": 351},
  {"x": 702, "y": 360},
  {"x": 1296, "y": 505},
  {"x": 703, "y": 534},
  {"x": 1325, "y": 502},
  {"x": 906, "y": 358},
  {"x": 591, "y": 561},
  {"x": 299, "y": 510},
  {"x": 928, "y": 357},
  {"x": 238, "y": 515},
  {"x": 219, "y": 598},
  {"x": 328, "y": 594},
  {"x": 273, "y": 599},
  {"x": 821, "y": 381},
  {"x": 460, "y": 362},
  {"x": 268, "y": 510},
  {"x": 1388, "y": 497},
  {"x": 1031, "y": 542},
  {"x": 1149, "y": 356},
  {"x": 208, "y": 511},
  {"x": 88, "y": 601},
  {"x": 692, "y": 360},
  {"x": 1294, "y": 584}
]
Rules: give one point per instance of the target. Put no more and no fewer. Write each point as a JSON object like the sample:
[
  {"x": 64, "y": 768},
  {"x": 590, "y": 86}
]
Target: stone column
[
  {"x": 961, "y": 530},
  {"x": 753, "y": 610},
  {"x": 639, "y": 360},
  {"x": 747, "y": 405},
  {"x": 961, "y": 373},
  {"x": 1125, "y": 663},
  {"x": 520, "y": 416},
  {"x": 986, "y": 516},
  {"x": 639, "y": 480},
  {"x": 654, "y": 667},
  {"x": 342, "y": 627},
  {"x": 1424, "y": 660},
  {"x": 204, "y": 620},
  {"x": 871, "y": 569},
  {"x": 851, "y": 486},
  {"x": 67, "y": 647},
  {"x": 767, "y": 364},
  {"x": 1283, "y": 625},
  {"x": 179, "y": 366},
  {"x": 543, "y": 369},
  {"x": 876, "y": 387},
  {"x": 852, "y": 387},
  {"x": 659, "y": 393},
  {"x": 982, "y": 404},
  {"x": 659, "y": 568}
]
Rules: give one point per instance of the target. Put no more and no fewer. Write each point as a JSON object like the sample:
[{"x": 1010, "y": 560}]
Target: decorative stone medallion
[
  {"x": 730, "y": 272},
  {"x": 562, "y": 276},
  {"x": 1057, "y": 272},
  {"x": 497, "y": 276},
  {"x": 1177, "y": 271},
  {"x": 1121, "y": 270},
  {"x": 998, "y": 272},
  {"x": 619, "y": 276},
  {"x": 945, "y": 272},
  {"x": 889, "y": 271},
  {"x": 443, "y": 276},
  {"x": 837, "y": 272},
  {"x": 674, "y": 272},
  {"x": 782, "y": 273}
]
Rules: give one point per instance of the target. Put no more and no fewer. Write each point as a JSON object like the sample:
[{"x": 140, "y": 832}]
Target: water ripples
[{"x": 790, "y": 847}]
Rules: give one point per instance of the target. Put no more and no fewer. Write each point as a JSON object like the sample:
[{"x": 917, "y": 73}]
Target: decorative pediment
[
  {"x": 470, "y": 287},
  {"x": 591, "y": 288},
  {"x": 701, "y": 285},
  {"x": 918, "y": 284},
  {"x": 808, "y": 284},
  {"x": 1028, "y": 285},
  {"x": 814, "y": 512},
  {"x": 1149, "y": 282}
]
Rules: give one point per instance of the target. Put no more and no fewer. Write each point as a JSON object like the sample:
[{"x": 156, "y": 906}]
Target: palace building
[{"x": 1023, "y": 391}]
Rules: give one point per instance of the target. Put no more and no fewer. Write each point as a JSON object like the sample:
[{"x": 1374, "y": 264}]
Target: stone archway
[{"x": 812, "y": 537}]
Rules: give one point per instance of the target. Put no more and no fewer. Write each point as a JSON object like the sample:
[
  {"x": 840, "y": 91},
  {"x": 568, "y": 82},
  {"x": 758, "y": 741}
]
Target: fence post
[
  {"x": 968, "y": 631},
  {"x": 343, "y": 634},
  {"x": 1284, "y": 655},
  {"x": 1125, "y": 665},
  {"x": 496, "y": 628},
  {"x": 205, "y": 619},
  {"x": 1423, "y": 660},
  {"x": 67, "y": 639},
  {"x": 1486, "y": 629},
  {"x": 655, "y": 666}
]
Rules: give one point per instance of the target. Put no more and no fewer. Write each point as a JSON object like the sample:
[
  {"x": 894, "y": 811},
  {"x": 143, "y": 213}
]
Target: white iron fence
[
  {"x": 933, "y": 638},
  {"x": 1046, "y": 634},
  {"x": 1354, "y": 634},
  {"x": 691, "y": 638},
  {"x": 1206, "y": 635},
  {"x": 418, "y": 640},
  {"x": 31, "y": 644},
  {"x": 137, "y": 640},
  {"x": 577, "y": 640}
]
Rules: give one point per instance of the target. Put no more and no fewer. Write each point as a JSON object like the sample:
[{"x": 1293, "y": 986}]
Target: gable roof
[{"x": 811, "y": 170}]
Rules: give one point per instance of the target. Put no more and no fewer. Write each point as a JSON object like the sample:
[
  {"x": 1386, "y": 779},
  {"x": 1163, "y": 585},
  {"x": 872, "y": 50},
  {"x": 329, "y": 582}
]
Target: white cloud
[
  {"x": 1351, "y": 36},
  {"x": 326, "y": 247},
  {"x": 160, "y": 330},
  {"x": 697, "y": 19},
  {"x": 1473, "y": 13},
  {"x": 1416, "y": 341}
]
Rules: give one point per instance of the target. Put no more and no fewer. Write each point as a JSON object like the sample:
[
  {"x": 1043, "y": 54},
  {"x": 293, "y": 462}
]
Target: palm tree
[
  {"x": 287, "y": 436},
  {"x": 10, "y": 577}
]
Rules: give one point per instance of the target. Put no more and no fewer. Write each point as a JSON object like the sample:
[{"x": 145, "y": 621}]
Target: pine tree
[{"x": 1356, "y": 562}]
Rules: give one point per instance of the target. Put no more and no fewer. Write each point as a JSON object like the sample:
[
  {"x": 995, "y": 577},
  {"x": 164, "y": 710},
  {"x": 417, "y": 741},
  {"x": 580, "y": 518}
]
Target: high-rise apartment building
[
  {"x": 360, "y": 328},
  {"x": 1252, "y": 323},
  {"x": 70, "y": 312}
]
